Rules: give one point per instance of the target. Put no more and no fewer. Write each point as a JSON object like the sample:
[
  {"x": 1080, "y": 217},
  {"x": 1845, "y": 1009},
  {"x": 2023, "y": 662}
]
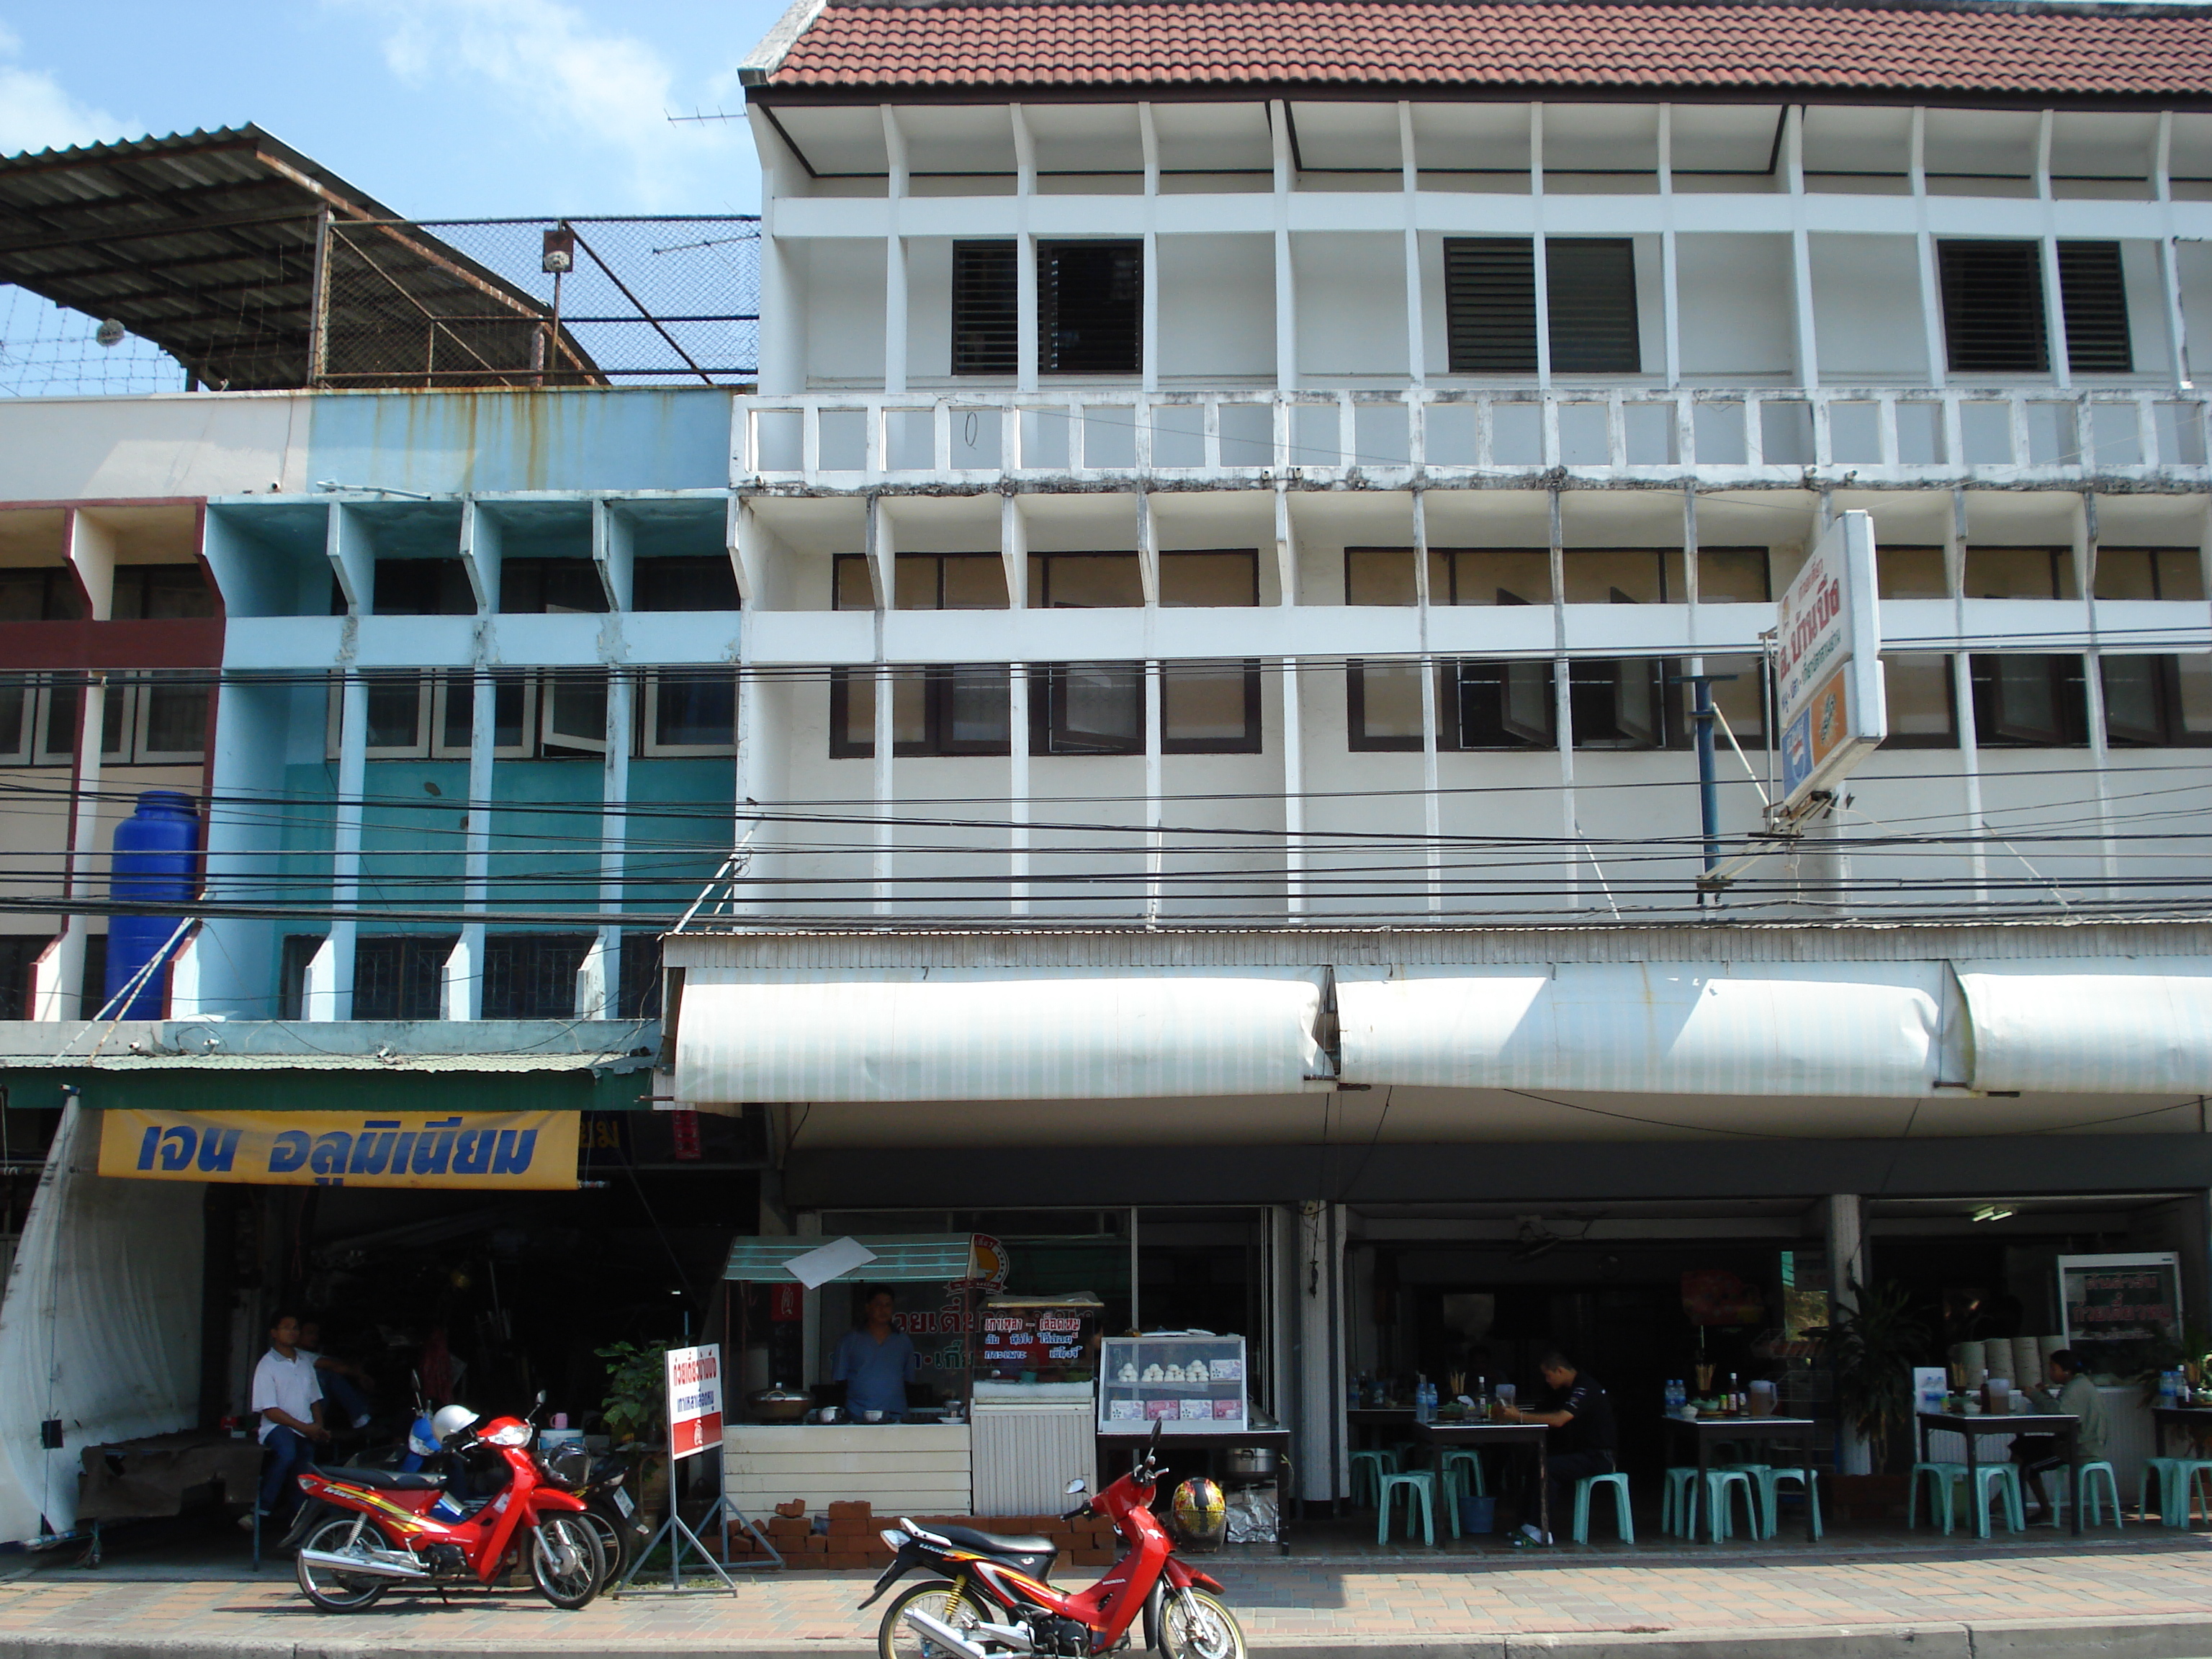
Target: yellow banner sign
[{"x": 343, "y": 1149}]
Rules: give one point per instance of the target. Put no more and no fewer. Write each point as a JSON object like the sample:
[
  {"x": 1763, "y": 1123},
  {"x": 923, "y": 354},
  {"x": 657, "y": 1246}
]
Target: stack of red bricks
[{"x": 845, "y": 1536}]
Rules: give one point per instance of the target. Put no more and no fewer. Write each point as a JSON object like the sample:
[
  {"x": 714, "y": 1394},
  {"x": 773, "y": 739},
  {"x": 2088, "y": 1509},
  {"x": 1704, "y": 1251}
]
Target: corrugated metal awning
[
  {"x": 979, "y": 1035},
  {"x": 901, "y": 1259},
  {"x": 1863, "y": 1029},
  {"x": 2119, "y": 1026}
]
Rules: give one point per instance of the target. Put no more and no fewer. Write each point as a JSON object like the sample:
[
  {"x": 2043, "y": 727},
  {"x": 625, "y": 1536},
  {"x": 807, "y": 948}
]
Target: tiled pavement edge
[{"x": 2148, "y": 1600}]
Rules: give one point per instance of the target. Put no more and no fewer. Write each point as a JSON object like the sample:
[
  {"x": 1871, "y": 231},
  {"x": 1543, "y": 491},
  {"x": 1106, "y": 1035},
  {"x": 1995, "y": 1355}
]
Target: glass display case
[{"x": 1190, "y": 1384}]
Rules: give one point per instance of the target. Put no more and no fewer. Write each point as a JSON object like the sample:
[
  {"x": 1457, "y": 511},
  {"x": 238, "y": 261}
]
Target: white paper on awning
[
  {"x": 2119, "y": 1025},
  {"x": 1851, "y": 1029},
  {"x": 890, "y": 1035}
]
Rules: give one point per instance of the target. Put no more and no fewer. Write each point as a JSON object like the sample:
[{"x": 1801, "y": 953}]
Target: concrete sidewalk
[{"x": 2147, "y": 1597}]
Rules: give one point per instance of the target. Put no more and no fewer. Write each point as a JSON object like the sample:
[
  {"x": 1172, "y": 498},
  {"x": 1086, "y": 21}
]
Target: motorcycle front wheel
[
  {"x": 1195, "y": 1624},
  {"x": 566, "y": 1562},
  {"x": 332, "y": 1591},
  {"x": 948, "y": 1603}
]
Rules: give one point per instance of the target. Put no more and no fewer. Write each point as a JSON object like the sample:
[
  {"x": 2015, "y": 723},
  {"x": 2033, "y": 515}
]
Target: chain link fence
[{"x": 538, "y": 302}]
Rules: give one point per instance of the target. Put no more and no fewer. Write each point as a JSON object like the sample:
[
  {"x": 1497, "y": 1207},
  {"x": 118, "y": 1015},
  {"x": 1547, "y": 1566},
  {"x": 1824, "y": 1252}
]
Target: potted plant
[
  {"x": 635, "y": 1411},
  {"x": 1870, "y": 1349}
]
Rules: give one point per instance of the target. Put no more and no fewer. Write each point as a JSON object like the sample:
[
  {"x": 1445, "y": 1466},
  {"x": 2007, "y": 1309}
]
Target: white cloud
[
  {"x": 36, "y": 113},
  {"x": 563, "y": 82}
]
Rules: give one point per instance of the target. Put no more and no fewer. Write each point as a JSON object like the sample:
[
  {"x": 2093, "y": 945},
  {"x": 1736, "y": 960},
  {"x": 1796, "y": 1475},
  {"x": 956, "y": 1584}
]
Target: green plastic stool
[
  {"x": 1762, "y": 1489},
  {"x": 1941, "y": 1478},
  {"x": 1451, "y": 1486},
  {"x": 2094, "y": 1509},
  {"x": 2163, "y": 1468},
  {"x": 1718, "y": 1520},
  {"x": 1471, "y": 1462},
  {"x": 2005, "y": 1478},
  {"x": 1777, "y": 1475},
  {"x": 1677, "y": 1506},
  {"x": 1618, "y": 1483},
  {"x": 1368, "y": 1468},
  {"x": 1418, "y": 1483}
]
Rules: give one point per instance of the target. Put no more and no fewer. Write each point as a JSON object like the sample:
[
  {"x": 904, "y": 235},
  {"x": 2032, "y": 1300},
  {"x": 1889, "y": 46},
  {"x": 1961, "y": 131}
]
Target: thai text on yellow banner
[{"x": 343, "y": 1149}]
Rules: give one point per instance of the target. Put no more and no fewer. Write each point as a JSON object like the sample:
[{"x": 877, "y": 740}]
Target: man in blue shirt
[{"x": 875, "y": 1362}]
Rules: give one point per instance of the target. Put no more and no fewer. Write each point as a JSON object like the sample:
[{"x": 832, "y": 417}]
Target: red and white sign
[
  {"x": 694, "y": 1401},
  {"x": 1827, "y": 663}
]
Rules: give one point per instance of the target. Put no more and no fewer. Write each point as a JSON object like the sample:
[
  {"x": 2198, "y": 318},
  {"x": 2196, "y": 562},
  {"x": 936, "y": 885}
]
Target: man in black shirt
[{"x": 1581, "y": 1443}]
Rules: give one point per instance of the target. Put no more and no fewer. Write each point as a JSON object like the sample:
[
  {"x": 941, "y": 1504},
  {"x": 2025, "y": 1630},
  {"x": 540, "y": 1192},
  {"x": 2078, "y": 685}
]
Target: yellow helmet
[{"x": 1201, "y": 1513}]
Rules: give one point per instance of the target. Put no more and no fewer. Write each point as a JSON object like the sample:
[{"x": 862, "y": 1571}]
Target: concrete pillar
[{"x": 1847, "y": 1267}]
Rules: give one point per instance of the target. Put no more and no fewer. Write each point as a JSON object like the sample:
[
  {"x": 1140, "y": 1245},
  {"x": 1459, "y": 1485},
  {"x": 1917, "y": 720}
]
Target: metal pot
[
  {"x": 1248, "y": 1459},
  {"x": 779, "y": 1404}
]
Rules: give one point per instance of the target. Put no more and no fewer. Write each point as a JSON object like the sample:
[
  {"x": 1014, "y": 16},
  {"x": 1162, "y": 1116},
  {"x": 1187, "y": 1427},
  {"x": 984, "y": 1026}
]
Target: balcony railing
[{"x": 1747, "y": 434}]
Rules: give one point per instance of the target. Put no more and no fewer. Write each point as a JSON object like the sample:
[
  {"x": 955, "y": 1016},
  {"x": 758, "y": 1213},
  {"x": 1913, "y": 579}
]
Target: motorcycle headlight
[
  {"x": 514, "y": 1434},
  {"x": 895, "y": 1538}
]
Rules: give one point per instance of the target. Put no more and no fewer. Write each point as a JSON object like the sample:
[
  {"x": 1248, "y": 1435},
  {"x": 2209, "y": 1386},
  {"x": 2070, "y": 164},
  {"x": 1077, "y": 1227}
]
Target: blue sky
[{"x": 439, "y": 108}]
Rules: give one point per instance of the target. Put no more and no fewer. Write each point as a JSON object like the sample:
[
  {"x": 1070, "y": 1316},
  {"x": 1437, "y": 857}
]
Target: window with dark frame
[
  {"x": 1210, "y": 708},
  {"x": 1090, "y": 300},
  {"x": 940, "y": 709},
  {"x": 533, "y": 975},
  {"x": 2093, "y": 288},
  {"x": 2162, "y": 701},
  {"x": 985, "y": 330},
  {"x": 686, "y": 581},
  {"x": 39, "y": 593},
  {"x": 1506, "y": 704},
  {"x": 1382, "y": 707},
  {"x": 1923, "y": 705},
  {"x": 2150, "y": 573},
  {"x": 531, "y": 585},
  {"x": 925, "y": 581},
  {"x": 1087, "y": 709},
  {"x": 2028, "y": 700},
  {"x": 160, "y": 592},
  {"x": 1993, "y": 321},
  {"x": 1590, "y": 292},
  {"x": 421, "y": 587}
]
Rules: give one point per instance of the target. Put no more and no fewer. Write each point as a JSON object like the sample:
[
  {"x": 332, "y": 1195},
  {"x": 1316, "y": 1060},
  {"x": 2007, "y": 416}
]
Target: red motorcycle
[
  {"x": 497, "y": 1505},
  {"x": 999, "y": 1604}
]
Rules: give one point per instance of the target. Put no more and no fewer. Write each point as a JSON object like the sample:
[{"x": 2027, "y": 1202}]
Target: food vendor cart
[
  {"x": 1033, "y": 1401},
  {"x": 785, "y": 1441}
]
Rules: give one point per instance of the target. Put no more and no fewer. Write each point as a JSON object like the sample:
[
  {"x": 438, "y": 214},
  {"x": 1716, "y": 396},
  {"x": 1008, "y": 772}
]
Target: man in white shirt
[{"x": 288, "y": 1397}]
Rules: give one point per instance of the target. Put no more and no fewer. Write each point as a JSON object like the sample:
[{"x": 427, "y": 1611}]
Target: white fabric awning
[
  {"x": 1863, "y": 1029},
  {"x": 892, "y": 1035},
  {"x": 2122, "y": 1025}
]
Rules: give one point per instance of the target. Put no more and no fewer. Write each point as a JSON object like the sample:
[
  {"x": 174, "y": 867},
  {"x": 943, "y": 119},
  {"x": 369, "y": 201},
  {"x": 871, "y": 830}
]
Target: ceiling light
[{"x": 1991, "y": 1213}]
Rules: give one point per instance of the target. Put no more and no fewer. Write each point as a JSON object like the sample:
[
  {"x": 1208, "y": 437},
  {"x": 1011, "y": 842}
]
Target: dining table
[
  {"x": 1703, "y": 1433},
  {"x": 1450, "y": 1435},
  {"x": 2193, "y": 1421},
  {"x": 1976, "y": 1427}
]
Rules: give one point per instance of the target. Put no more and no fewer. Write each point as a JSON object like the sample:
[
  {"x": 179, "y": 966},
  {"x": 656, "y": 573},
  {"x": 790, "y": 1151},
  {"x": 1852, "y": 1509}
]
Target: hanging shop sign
[
  {"x": 343, "y": 1149},
  {"x": 1827, "y": 663},
  {"x": 694, "y": 1401}
]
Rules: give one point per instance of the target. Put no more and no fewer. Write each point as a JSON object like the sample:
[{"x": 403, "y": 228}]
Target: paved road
[{"x": 2147, "y": 1599}]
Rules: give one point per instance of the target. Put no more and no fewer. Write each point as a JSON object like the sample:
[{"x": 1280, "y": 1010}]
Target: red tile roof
[{"x": 2143, "y": 52}]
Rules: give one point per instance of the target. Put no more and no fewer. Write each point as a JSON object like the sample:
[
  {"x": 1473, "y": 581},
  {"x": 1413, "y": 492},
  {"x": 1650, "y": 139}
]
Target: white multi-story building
[{"x": 1183, "y": 663}]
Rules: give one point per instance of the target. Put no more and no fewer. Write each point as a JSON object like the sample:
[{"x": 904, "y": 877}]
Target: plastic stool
[
  {"x": 1718, "y": 1523},
  {"x": 2163, "y": 1468},
  {"x": 2005, "y": 1477},
  {"x": 2094, "y": 1511},
  {"x": 1677, "y": 1506},
  {"x": 1451, "y": 1486},
  {"x": 1777, "y": 1475},
  {"x": 1762, "y": 1476},
  {"x": 1618, "y": 1483},
  {"x": 1418, "y": 1483},
  {"x": 2189, "y": 1472},
  {"x": 1941, "y": 1478},
  {"x": 1472, "y": 1462},
  {"x": 1368, "y": 1468}
]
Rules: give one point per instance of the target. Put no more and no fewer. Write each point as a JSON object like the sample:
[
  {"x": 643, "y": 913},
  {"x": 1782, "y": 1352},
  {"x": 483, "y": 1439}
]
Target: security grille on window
[
  {"x": 400, "y": 976},
  {"x": 533, "y": 975},
  {"x": 954, "y": 708},
  {"x": 1590, "y": 290},
  {"x": 1993, "y": 307},
  {"x": 1088, "y": 299},
  {"x": 986, "y": 334}
]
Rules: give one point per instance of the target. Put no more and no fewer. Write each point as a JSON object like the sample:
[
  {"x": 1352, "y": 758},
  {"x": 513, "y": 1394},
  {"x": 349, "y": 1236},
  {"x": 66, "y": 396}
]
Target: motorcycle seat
[
  {"x": 992, "y": 1543},
  {"x": 382, "y": 1479}
]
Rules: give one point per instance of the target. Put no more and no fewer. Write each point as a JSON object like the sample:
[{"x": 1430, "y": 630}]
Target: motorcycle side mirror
[{"x": 1077, "y": 1486}]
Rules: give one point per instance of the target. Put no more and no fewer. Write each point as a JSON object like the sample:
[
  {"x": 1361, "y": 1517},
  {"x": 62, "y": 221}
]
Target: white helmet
[{"x": 450, "y": 1421}]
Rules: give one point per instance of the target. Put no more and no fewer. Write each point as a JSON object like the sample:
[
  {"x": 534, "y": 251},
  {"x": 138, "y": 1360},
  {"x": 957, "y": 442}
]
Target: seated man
[
  {"x": 288, "y": 1400},
  {"x": 1583, "y": 1441},
  {"x": 2038, "y": 1453},
  {"x": 345, "y": 1385}
]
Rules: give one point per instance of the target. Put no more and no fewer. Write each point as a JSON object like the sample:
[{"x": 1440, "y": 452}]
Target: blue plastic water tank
[{"x": 156, "y": 862}]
